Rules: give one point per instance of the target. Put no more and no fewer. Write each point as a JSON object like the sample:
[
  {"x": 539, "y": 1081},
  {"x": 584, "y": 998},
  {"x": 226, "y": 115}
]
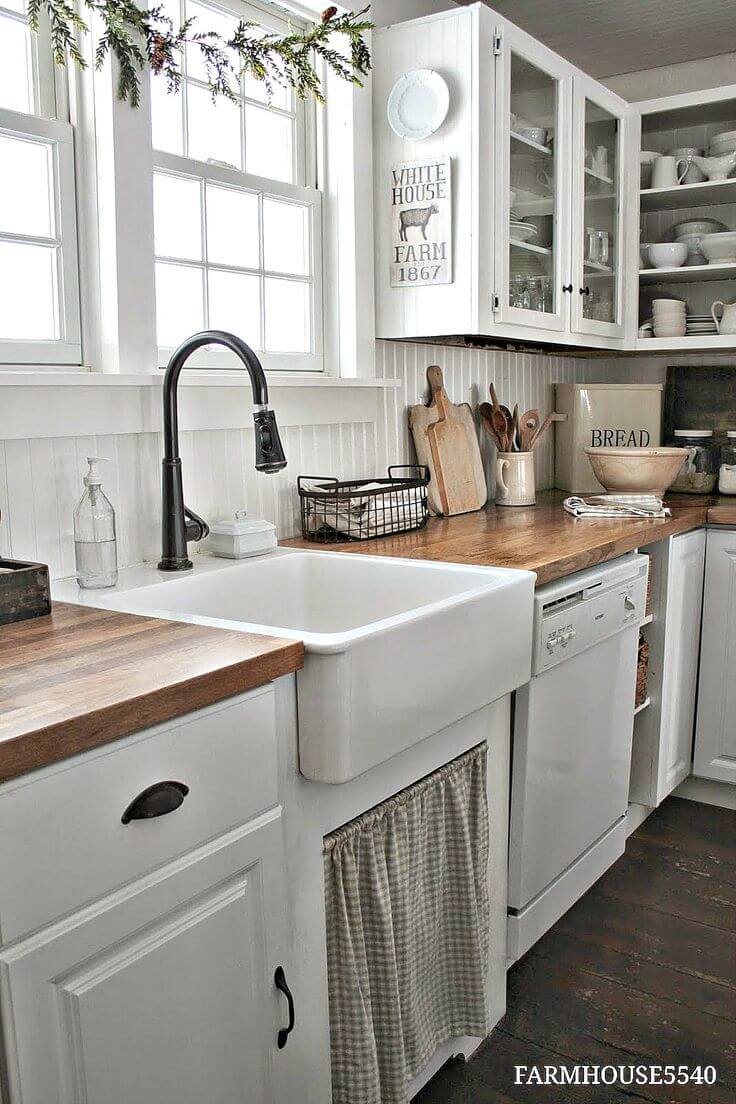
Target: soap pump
[{"x": 95, "y": 546}]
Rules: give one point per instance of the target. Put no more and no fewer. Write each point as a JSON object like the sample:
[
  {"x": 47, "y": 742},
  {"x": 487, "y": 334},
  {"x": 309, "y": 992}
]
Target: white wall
[
  {"x": 669, "y": 80},
  {"x": 41, "y": 476}
]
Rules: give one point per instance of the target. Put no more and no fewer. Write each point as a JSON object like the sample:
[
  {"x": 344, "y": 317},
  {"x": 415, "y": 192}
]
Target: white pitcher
[
  {"x": 727, "y": 322},
  {"x": 515, "y": 479},
  {"x": 667, "y": 172}
]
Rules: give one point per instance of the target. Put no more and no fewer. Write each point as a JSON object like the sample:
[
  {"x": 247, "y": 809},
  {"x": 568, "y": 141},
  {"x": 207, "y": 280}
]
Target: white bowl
[
  {"x": 697, "y": 226},
  {"x": 667, "y": 254},
  {"x": 720, "y": 248},
  {"x": 636, "y": 470},
  {"x": 722, "y": 143}
]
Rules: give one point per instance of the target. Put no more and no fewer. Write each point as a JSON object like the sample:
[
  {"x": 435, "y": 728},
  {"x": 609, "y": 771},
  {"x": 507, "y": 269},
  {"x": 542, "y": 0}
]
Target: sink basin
[{"x": 396, "y": 650}]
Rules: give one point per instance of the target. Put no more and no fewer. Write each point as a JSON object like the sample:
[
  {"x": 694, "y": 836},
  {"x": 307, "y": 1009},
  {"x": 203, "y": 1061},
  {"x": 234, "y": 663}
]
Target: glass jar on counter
[
  {"x": 727, "y": 469},
  {"x": 699, "y": 473}
]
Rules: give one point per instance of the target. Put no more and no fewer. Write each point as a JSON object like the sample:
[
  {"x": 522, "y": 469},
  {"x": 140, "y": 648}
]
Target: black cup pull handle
[
  {"x": 279, "y": 980},
  {"x": 158, "y": 800}
]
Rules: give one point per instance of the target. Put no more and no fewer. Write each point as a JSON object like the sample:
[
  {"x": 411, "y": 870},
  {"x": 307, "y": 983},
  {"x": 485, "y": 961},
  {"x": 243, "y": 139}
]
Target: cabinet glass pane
[
  {"x": 532, "y": 198},
  {"x": 600, "y": 215}
]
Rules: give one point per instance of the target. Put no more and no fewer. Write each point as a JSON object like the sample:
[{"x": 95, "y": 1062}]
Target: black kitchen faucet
[{"x": 179, "y": 524}]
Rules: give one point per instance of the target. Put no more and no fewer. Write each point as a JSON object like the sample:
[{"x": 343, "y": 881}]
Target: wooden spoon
[
  {"x": 528, "y": 426},
  {"x": 494, "y": 424},
  {"x": 542, "y": 429}
]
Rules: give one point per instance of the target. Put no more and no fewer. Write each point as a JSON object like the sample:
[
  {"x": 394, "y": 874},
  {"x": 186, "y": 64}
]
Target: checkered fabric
[{"x": 407, "y": 931}]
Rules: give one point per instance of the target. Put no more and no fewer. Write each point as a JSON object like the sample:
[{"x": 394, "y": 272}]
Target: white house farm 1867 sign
[{"x": 421, "y": 223}]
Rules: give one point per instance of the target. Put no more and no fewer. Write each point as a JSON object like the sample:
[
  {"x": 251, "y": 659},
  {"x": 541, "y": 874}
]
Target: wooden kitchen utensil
[
  {"x": 446, "y": 441},
  {"x": 528, "y": 425}
]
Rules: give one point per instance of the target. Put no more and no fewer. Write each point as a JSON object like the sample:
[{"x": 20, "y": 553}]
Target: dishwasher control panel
[{"x": 578, "y": 612}]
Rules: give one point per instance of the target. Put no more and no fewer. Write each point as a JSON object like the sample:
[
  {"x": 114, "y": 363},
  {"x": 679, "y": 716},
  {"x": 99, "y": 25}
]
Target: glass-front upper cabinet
[
  {"x": 597, "y": 197},
  {"x": 532, "y": 226}
]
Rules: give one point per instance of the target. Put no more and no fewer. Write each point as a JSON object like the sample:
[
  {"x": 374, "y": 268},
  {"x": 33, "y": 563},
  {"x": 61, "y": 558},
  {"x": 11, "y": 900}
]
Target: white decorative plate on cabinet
[{"x": 418, "y": 104}]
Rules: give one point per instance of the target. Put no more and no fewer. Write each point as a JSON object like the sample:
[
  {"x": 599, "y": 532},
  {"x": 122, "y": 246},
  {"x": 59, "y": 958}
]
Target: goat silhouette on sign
[{"x": 416, "y": 216}]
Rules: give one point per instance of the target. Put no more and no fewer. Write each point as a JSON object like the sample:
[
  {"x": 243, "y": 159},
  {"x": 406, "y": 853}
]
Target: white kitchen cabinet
[
  {"x": 523, "y": 123},
  {"x": 162, "y": 992},
  {"x": 663, "y": 732},
  {"x": 715, "y": 732},
  {"x": 598, "y": 203},
  {"x": 138, "y": 956},
  {"x": 533, "y": 90}
]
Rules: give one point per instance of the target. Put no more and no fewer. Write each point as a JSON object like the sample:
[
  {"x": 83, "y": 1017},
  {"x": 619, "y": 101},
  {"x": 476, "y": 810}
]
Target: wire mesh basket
[{"x": 361, "y": 509}]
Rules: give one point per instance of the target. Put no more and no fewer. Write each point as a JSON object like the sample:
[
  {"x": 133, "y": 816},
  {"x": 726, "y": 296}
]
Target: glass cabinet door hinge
[
  {"x": 495, "y": 304},
  {"x": 497, "y": 40}
]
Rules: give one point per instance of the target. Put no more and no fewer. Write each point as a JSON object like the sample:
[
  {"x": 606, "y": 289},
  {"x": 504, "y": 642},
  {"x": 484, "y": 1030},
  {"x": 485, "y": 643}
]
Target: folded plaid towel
[{"x": 616, "y": 506}]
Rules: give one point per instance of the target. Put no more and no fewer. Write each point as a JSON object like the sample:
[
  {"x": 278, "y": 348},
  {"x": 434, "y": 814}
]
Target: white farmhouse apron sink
[{"x": 396, "y": 650}]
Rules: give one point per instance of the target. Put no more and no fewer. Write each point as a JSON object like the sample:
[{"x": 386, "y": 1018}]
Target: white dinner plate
[{"x": 418, "y": 104}]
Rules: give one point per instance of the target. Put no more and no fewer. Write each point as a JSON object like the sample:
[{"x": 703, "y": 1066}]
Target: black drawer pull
[
  {"x": 158, "y": 800},
  {"x": 585, "y": 290},
  {"x": 279, "y": 980}
]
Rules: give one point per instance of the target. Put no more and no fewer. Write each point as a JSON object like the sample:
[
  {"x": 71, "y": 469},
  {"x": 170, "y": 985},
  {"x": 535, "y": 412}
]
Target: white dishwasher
[{"x": 573, "y": 726}]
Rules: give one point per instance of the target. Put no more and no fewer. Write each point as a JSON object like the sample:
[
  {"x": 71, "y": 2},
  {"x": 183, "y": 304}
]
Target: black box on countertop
[{"x": 24, "y": 591}]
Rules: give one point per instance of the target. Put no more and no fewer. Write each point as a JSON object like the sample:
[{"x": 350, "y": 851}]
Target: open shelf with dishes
[{"x": 688, "y": 229}]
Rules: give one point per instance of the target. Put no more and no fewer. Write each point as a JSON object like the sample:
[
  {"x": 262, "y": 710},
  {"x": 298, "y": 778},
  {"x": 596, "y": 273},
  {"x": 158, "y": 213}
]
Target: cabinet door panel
[
  {"x": 532, "y": 183},
  {"x": 598, "y": 193},
  {"x": 680, "y": 670},
  {"x": 163, "y": 992},
  {"x": 715, "y": 735}
]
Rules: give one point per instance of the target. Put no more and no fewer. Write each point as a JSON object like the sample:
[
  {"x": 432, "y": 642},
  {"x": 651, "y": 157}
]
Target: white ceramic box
[{"x": 602, "y": 415}]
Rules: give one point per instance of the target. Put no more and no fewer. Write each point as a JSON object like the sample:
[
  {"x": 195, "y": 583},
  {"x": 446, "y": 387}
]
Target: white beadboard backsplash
[{"x": 41, "y": 479}]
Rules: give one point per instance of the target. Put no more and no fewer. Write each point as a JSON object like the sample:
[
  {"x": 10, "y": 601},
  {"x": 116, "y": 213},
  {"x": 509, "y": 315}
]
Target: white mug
[
  {"x": 515, "y": 479},
  {"x": 666, "y": 171},
  {"x": 726, "y": 324},
  {"x": 599, "y": 161}
]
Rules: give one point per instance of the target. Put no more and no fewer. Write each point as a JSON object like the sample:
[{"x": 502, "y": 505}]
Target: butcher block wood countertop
[
  {"x": 542, "y": 538},
  {"x": 82, "y": 676}
]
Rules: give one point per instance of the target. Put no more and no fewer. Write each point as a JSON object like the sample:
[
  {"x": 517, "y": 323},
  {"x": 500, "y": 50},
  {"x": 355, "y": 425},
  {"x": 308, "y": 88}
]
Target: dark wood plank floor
[{"x": 641, "y": 970}]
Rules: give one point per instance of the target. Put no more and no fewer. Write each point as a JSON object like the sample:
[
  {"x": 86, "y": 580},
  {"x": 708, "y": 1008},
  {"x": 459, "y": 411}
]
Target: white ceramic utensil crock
[{"x": 515, "y": 479}]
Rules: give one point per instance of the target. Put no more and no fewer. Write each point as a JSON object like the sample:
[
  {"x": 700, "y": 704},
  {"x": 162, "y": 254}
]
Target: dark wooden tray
[{"x": 24, "y": 591}]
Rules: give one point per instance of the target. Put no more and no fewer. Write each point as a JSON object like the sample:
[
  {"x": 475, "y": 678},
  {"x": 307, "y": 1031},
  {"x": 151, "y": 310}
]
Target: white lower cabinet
[
  {"x": 162, "y": 989},
  {"x": 715, "y": 733},
  {"x": 663, "y": 732}
]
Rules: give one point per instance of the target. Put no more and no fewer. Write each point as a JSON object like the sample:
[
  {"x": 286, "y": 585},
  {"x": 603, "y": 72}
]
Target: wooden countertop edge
[
  {"x": 644, "y": 533},
  {"x": 722, "y": 515},
  {"x": 40, "y": 747}
]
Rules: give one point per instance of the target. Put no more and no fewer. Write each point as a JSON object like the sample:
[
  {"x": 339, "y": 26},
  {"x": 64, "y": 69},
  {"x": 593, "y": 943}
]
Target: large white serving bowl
[
  {"x": 720, "y": 248},
  {"x": 697, "y": 226},
  {"x": 667, "y": 254},
  {"x": 636, "y": 470},
  {"x": 395, "y": 650}
]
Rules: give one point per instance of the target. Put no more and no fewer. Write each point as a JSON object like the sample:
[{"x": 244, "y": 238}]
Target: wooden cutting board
[{"x": 446, "y": 441}]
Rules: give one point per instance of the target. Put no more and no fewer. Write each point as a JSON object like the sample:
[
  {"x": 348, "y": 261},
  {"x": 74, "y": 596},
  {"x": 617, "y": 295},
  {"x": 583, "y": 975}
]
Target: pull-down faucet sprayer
[{"x": 178, "y": 523}]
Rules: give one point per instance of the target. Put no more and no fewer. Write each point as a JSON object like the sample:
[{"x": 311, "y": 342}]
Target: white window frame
[
  {"x": 67, "y": 348},
  {"x": 214, "y": 357},
  {"x": 304, "y": 191}
]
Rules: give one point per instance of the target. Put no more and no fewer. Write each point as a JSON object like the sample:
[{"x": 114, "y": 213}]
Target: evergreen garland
[{"x": 141, "y": 39}]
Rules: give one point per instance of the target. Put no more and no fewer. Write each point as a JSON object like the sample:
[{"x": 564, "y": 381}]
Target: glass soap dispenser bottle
[{"x": 95, "y": 546}]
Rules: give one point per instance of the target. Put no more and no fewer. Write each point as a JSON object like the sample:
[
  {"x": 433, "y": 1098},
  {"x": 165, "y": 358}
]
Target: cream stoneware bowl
[
  {"x": 719, "y": 248},
  {"x": 636, "y": 470}
]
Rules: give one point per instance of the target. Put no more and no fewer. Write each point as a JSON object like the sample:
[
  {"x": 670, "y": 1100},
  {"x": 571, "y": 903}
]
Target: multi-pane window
[
  {"x": 236, "y": 258},
  {"x": 237, "y": 229},
  {"x": 39, "y": 300},
  {"x": 18, "y": 81},
  {"x": 254, "y": 135}
]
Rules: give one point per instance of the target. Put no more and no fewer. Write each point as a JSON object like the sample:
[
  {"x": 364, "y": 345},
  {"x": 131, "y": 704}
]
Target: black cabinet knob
[
  {"x": 585, "y": 290},
  {"x": 567, "y": 287}
]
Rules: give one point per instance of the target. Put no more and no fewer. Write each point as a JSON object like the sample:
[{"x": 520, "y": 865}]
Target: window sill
[
  {"x": 190, "y": 378},
  {"x": 78, "y": 404}
]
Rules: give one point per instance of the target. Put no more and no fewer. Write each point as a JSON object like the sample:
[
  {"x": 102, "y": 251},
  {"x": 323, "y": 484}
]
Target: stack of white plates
[
  {"x": 699, "y": 324},
  {"x": 520, "y": 230}
]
